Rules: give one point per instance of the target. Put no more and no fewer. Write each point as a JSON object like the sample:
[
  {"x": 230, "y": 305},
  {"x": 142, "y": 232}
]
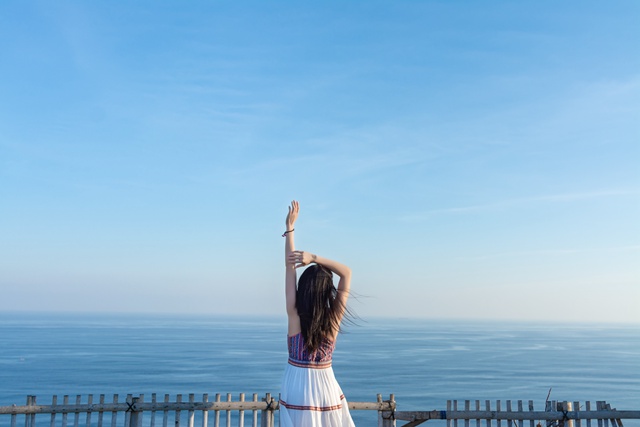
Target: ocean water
[{"x": 423, "y": 362}]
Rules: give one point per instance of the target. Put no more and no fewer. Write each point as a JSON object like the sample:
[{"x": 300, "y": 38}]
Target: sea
[{"x": 422, "y": 362}]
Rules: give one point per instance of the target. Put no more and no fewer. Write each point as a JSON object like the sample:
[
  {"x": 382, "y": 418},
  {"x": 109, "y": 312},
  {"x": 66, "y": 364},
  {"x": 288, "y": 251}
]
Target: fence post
[
  {"x": 387, "y": 418},
  {"x": 392, "y": 403},
  {"x": 568, "y": 407},
  {"x": 268, "y": 417},
  {"x": 134, "y": 420},
  {"x": 30, "y": 419}
]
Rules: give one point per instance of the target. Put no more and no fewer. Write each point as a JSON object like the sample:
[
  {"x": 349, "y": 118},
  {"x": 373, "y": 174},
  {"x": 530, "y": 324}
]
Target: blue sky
[{"x": 466, "y": 159}]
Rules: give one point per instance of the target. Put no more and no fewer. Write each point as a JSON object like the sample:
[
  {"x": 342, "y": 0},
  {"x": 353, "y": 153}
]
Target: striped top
[{"x": 298, "y": 355}]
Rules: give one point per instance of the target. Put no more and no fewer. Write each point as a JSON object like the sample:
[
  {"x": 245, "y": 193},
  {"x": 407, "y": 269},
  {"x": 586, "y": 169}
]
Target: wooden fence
[
  {"x": 476, "y": 413},
  {"x": 135, "y": 411}
]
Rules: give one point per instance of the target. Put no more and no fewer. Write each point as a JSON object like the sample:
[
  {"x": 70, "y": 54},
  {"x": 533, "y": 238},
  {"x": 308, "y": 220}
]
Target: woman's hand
[
  {"x": 292, "y": 215},
  {"x": 301, "y": 258}
]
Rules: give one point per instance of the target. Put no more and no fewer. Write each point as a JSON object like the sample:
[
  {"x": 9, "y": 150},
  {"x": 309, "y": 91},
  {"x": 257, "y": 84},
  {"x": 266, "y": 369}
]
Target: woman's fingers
[
  {"x": 292, "y": 214},
  {"x": 295, "y": 257}
]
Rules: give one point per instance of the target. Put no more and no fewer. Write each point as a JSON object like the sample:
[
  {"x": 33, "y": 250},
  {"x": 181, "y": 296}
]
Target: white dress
[{"x": 310, "y": 395}]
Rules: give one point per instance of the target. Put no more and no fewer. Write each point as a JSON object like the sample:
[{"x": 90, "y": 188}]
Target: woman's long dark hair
[{"x": 319, "y": 310}]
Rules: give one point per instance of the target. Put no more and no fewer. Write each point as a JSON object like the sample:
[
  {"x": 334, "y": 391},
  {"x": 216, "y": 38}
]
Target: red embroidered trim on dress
[
  {"x": 313, "y": 408},
  {"x": 310, "y": 365}
]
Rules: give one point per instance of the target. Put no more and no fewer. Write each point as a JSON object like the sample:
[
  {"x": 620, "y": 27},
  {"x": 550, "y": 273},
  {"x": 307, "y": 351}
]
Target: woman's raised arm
[{"x": 290, "y": 270}]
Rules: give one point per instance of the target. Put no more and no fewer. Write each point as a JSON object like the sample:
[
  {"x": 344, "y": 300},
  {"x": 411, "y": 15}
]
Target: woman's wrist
[{"x": 289, "y": 230}]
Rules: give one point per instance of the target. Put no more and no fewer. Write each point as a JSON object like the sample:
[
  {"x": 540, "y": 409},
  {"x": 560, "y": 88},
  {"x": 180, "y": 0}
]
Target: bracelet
[{"x": 288, "y": 231}]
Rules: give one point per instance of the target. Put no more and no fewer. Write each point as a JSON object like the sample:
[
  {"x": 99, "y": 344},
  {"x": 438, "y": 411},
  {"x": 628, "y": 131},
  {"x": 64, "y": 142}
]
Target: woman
[{"x": 310, "y": 394}]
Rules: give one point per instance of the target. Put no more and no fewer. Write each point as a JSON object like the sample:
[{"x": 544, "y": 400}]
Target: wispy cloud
[
  {"x": 520, "y": 202},
  {"x": 555, "y": 252}
]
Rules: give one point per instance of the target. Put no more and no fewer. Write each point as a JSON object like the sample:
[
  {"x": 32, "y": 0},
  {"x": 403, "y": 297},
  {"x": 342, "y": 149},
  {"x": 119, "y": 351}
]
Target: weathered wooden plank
[
  {"x": 618, "y": 421},
  {"x": 387, "y": 418},
  {"x": 358, "y": 406},
  {"x": 599, "y": 406},
  {"x": 205, "y": 412},
  {"x": 413, "y": 423},
  {"x": 614, "y": 422},
  {"x": 100, "y": 413},
  {"x": 127, "y": 417},
  {"x": 76, "y": 414},
  {"x": 33, "y": 416},
  {"x": 241, "y": 412},
  {"x": 520, "y": 407},
  {"x": 267, "y": 413},
  {"x": 54, "y": 402},
  {"x": 177, "y": 411},
  {"x": 576, "y": 407},
  {"x": 27, "y": 418},
  {"x": 135, "y": 416},
  {"x": 89, "y": 402},
  {"x": 255, "y": 412},
  {"x": 568, "y": 406},
  {"x": 152, "y": 419},
  {"x": 65, "y": 402},
  {"x": 140, "y": 413},
  {"x": 392, "y": 403},
  {"x": 217, "y": 420},
  {"x": 191, "y": 412},
  {"x": 165, "y": 412},
  {"x": 487, "y": 405},
  {"x": 264, "y": 419},
  {"x": 420, "y": 415},
  {"x": 114, "y": 413}
]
